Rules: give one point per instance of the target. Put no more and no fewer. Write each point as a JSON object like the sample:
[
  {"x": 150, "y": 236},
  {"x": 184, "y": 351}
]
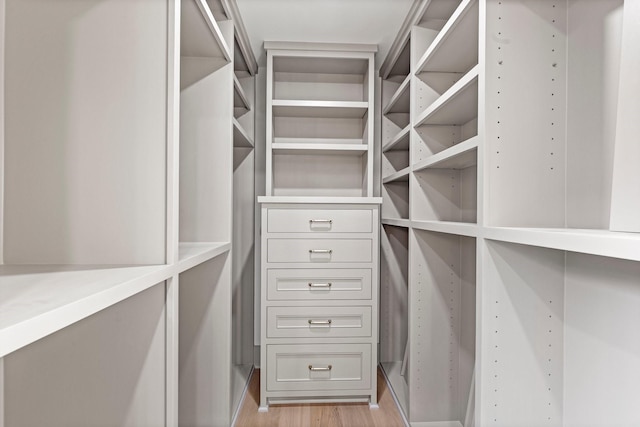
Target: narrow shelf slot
[
  {"x": 399, "y": 102},
  {"x": 200, "y": 34},
  {"x": 191, "y": 254},
  {"x": 402, "y": 175},
  {"x": 240, "y": 99},
  {"x": 240, "y": 136},
  {"x": 400, "y": 142},
  {"x": 459, "y": 156},
  {"x": 448, "y": 227},
  {"x": 405, "y": 223}
]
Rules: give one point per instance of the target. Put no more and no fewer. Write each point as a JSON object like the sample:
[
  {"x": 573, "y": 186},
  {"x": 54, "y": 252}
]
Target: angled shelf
[
  {"x": 459, "y": 35},
  {"x": 399, "y": 176},
  {"x": 319, "y": 109},
  {"x": 459, "y": 156},
  {"x": 456, "y": 106},
  {"x": 201, "y": 36},
  {"x": 399, "y": 102},
  {"x": 191, "y": 254},
  {"x": 38, "y": 300},
  {"x": 396, "y": 222},
  {"x": 240, "y": 100},
  {"x": 449, "y": 227},
  {"x": 399, "y": 142},
  {"x": 241, "y": 139}
]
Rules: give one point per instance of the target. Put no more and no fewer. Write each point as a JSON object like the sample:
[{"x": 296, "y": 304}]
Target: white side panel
[
  {"x": 85, "y": 136},
  {"x": 602, "y": 349},
  {"x": 107, "y": 369},
  {"x": 2, "y": 102},
  {"x": 205, "y": 344},
  {"x": 522, "y": 336},
  {"x": 625, "y": 202},
  {"x": 260, "y": 183},
  {"x": 593, "y": 68}
]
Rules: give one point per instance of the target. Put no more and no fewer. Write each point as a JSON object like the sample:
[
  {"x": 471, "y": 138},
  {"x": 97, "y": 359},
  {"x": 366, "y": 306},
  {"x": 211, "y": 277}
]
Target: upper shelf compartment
[
  {"x": 459, "y": 35},
  {"x": 320, "y": 79},
  {"x": 320, "y": 109},
  {"x": 200, "y": 34}
]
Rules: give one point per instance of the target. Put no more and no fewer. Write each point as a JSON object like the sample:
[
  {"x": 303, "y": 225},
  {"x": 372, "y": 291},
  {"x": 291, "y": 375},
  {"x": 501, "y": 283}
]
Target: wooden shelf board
[
  {"x": 459, "y": 35},
  {"x": 397, "y": 222},
  {"x": 594, "y": 242},
  {"x": 200, "y": 33},
  {"x": 400, "y": 176},
  {"x": 321, "y": 109},
  {"x": 38, "y": 300},
  {"x": 459, "y": 156},
  {"x": 449, "y": 227},
  {"x": 240, "y": 136},
  {"x": 191, "y": 254},
  {"x": 400, "y": 142},
  {"x": 240, "y": 99},
  {"x": 456, "y": 106},
  {"x": 399, "y": 102},
  {"x": 319, "y": 148}
]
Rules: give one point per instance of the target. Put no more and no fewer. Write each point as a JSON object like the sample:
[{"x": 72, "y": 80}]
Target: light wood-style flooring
[{"x": 319, "y": 415}]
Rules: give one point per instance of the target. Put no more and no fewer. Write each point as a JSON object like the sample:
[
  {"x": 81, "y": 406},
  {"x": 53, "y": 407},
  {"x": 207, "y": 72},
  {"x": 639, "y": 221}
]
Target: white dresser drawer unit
[
  {"x": 322, "y": 367},
  {"x": 318, "y": 284},
  {"x": 319, "y": 221},
  {"x": 320, "y": 250},
  {"x": 318, "y": 322}
]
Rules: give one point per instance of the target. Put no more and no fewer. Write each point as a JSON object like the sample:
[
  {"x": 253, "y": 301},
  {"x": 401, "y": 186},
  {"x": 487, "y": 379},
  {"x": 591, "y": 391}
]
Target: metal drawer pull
[
  {"x": 328, "y": 221},
  {"x": 322, "y": 368},
  {"x": 320, "y": 322},
  {"x": 319, "y": 285},
  {"x": 320, "y": 251}
]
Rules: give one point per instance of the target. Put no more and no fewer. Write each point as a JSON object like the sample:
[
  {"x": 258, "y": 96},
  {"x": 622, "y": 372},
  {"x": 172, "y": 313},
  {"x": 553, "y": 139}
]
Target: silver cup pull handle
[
  {"x": 320, "y": 322},
  {"x": 320, "y": 285}
]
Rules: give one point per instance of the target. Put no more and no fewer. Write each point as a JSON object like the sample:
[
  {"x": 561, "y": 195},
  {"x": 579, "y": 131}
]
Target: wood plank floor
[{"x": 319, "y": 415}]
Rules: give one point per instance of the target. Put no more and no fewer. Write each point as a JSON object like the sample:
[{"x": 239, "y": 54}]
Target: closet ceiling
[{"x": 340, "y": 21}]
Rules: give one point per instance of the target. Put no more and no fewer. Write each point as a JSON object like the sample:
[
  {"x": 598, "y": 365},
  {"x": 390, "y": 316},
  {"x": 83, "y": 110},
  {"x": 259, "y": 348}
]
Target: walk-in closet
[{"x": 390, "y": 213}]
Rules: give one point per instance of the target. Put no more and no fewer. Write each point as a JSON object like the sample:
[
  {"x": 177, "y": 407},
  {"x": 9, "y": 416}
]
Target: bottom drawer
[{"x": 321, "y": 367}]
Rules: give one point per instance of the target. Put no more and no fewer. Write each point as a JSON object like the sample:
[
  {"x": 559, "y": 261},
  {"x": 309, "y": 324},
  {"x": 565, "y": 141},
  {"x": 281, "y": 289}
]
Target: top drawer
[{"x": 319, "y": 220}]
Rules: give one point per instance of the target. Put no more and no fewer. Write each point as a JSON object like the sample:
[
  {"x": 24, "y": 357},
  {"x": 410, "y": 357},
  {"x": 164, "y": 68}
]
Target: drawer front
[
  {"x": 318, "y": 322},
  {"x": 319, "y": 221},
  {"x": 318, "y": 284},
  {"x": 320, "y": 251},
  {"x": 322, "y": 367}
]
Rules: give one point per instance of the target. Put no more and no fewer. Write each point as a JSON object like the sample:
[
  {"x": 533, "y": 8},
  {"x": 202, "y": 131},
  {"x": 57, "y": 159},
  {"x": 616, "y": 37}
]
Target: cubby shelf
[
  {"x": 38, "y": 300},
  {"x": 400, "y": 141},
  {"x": 459, "y": 156},
  {"x": 459, "y": 35},
  {"x": 587, "y": 241},
  {"x": 399, "y": 102},
  {"x": 201, "y": 35},
  {"x": 402, "y": 175},
  {"x": 320, "y": 109},
  {"x": 241, "y": 139},
  {"x": 396, "y": 222},
  {"x": 240, "y": 99},
  {"x": 457, "y": 106}
]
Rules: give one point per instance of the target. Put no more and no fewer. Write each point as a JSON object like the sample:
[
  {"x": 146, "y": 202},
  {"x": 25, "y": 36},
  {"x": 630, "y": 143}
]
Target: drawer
[
  {"x": 319, "y": 220},
  {"x": 319, "y": 250},
  {"x": 321, "y": 367},
  {"x": 318, "y": 284},
  {"x": 318, "y": 322}
]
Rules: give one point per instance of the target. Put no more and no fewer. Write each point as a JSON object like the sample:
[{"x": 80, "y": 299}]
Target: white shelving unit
[
  {"x": 319, "y": 227},
  {"x": 117, "y": 209},
  {"x": 510, "y": 279}
]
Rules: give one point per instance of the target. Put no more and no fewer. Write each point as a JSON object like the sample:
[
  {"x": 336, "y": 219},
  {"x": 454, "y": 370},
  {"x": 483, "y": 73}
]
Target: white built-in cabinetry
[
  {"x": 506, "y": 298},
  {"x": 119, "y": 259},
  {"x": 319, "y": 227}
]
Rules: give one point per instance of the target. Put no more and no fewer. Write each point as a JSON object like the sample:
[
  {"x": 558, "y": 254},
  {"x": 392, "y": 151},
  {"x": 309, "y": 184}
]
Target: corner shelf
[
  {"x": 456, "y": 106},
  {"x": 191, "y": 254},
  {"x": 402, "y": 175},
  {"x": 399, "y": 142},
  {"x": 459, "y": 35},
  {"x": 240, "y": 100},
  {"x": 459, "y": 156},
  {"x": 241, "y": 139},
  {"x": 399, "y": 102},
  {"x": 396, "y": 222},
  {"x": 448, "y": 227},
  {"x": 201, "y": 35}
]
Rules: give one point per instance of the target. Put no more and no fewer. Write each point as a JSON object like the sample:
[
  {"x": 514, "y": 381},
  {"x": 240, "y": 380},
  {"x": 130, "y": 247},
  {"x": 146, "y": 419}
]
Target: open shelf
[
  {"x": 38, "y": 300},
  {"x": 241, "y": 139},
  {"x": 396, "y": 222},
  {"x": 200, "y": 34},
  {"x": 399, "y": 102},
  {"x": 191, "y": 254},
  {"x": 459, "y": 156},
  {"x": 402, "y": 175},
  {"x": 395, "y": 199},
  {"x": 448, "y": 227},
  {"x": 460, "y": 36},
  {"x": 457, "y": 106},
  {"x": 320, "y": 148},
  {"x": 240, "y": 100},
  {"x": 399, "y": 142},
  {"x": 319, "y": 109}
]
